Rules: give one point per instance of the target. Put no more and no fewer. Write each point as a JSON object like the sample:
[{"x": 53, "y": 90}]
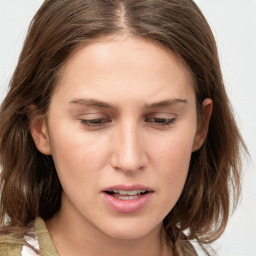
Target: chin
[{"x": 126, "y": 230}]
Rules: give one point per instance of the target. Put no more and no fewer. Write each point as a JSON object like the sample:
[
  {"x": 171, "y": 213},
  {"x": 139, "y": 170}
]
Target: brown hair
[{"x": 29, "y": 178}]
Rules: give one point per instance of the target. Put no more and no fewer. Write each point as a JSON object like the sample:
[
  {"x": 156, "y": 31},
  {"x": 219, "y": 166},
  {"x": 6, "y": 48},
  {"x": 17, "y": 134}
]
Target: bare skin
[
  {"x": 123, "y": 115},
  {"x": 72, "y": 244}
]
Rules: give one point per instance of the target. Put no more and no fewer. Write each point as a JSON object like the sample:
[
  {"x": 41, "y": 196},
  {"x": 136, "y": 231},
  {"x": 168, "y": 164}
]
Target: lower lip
[{"x": 127, "y": 206}]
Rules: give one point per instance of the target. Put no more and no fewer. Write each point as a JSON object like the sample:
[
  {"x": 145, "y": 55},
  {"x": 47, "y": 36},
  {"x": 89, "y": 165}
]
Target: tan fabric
[
  {"x": 46, "y": 245},
  {"x": 10, "y": 246}
]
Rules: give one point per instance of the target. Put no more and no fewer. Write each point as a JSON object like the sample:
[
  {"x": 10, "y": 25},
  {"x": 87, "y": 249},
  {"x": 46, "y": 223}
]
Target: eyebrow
[
  {"x": 100, "y": 104},
  {"x": 91, "y": 103},
  {"x": 166, "y": 103}
]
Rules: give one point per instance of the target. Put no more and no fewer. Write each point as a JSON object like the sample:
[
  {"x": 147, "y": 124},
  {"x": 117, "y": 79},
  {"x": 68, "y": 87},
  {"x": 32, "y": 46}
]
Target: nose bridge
[{"x": 129, "y": 152}]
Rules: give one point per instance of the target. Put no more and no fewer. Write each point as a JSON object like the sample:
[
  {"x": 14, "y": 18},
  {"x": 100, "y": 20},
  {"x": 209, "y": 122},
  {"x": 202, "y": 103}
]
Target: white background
[{"x": 234, "y": 25}]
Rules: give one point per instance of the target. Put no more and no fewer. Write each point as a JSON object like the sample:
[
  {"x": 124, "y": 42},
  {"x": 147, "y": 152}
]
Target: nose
[{"x": 129, "y": 152}]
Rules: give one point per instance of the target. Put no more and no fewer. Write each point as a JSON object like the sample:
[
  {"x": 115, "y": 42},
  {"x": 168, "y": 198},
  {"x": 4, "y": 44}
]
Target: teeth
[
  {"x": 129, "y": 193},
  {"x": 126, "y": 197}
]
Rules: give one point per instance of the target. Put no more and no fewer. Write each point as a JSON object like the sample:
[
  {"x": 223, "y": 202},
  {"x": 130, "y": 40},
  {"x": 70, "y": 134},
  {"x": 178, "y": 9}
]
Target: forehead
[{"x": 124, "y": 66}]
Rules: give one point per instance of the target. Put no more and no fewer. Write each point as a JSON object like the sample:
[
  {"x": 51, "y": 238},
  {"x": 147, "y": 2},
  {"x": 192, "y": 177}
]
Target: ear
[
  {"x": 39, "y": 131},
  {"x": 203, "y": 126}
]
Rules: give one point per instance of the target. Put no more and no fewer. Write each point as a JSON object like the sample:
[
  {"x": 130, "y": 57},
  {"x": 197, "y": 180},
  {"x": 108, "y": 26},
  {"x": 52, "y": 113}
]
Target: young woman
[{"x": 117, "y": 136}]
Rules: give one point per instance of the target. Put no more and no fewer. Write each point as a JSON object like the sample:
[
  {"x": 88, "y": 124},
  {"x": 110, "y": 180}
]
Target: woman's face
[{"x": 121, "y": 127}]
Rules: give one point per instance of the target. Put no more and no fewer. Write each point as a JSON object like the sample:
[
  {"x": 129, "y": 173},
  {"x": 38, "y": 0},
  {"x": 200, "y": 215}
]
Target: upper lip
[{"x": 130, "y": 187}]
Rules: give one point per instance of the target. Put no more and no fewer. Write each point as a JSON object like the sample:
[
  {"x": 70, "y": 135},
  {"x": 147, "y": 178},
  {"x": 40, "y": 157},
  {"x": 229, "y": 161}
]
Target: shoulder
[
  {"x": 15, "y": 244},
  {"x": 14, "y": 247},
  {"x": 10, "y": 246},
  {"x": 38, "y": 240}
]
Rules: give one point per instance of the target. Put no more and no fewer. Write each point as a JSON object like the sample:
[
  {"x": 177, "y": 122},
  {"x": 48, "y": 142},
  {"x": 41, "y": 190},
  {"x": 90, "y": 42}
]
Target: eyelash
[
  {"x": 161, "y": 121},
  {"x": 101, "y": 121},
  {"x": 95, "y": 121}
]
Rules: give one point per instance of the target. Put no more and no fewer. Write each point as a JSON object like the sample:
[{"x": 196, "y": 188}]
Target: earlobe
[
  {"x": 203, "y": 127},
  {"x": 39, "y": 131}
]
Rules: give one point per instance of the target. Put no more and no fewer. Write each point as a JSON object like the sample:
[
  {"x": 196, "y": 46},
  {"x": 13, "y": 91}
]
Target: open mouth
[
  {"x": 127, "y": 198},
  {"x": 126, "y": 195}
]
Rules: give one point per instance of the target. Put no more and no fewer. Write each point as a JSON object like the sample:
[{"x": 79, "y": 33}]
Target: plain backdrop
[{"x": 234, "y": 25}]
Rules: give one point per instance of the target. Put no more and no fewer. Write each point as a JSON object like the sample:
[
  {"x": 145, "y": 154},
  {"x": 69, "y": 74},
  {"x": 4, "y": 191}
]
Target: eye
[
  {"x": 95, "y": 122},
  {"x": 160, "y": 121}
]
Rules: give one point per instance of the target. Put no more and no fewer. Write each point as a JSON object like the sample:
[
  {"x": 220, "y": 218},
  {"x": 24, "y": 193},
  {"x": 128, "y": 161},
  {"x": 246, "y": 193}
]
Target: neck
[{"x": 71, "y": 238}]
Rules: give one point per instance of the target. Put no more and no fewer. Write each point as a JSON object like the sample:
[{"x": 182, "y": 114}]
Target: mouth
[
  {"x": 126, "y": 195},
  {"x": 127, "y": 199}
]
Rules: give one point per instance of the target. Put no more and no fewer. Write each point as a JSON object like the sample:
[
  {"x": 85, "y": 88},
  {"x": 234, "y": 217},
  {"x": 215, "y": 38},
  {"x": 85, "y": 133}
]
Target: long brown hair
[{"x": 29, "y": 184}]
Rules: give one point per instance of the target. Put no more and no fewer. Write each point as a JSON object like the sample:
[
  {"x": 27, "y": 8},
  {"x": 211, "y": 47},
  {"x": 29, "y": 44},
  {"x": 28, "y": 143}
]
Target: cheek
[
  {"x": 174, "y": 151},
  {"x": 172, "y": 159},
  {"x": 77, "y": 156},
  {"x": 175, "y": 165}
]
